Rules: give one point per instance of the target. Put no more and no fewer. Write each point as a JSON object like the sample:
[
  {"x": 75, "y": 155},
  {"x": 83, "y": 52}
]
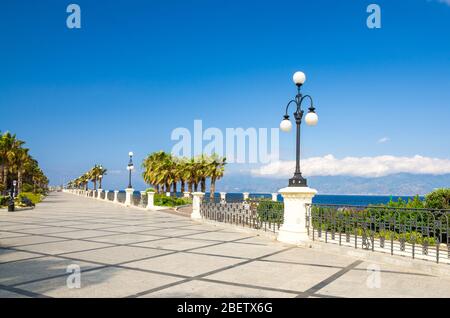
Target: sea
[{"x": 322, "y": 198}]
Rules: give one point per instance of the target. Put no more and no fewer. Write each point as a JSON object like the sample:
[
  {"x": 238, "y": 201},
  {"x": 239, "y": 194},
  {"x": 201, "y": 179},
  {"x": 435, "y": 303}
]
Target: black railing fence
[
  {"x": 418, "y": 233},
  {"x": 257, "y": 214}
]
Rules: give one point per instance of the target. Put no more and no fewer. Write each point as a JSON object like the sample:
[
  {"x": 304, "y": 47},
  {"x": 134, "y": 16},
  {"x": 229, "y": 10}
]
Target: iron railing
[
  {"x": 263, "y": 215},
  {"x": 417, "y": 233}
]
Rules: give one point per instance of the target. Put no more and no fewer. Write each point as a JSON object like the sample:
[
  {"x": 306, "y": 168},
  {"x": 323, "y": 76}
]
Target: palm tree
[
  {"x": 215, "y": 170},
  {"x": 9, "y": 148},
  {"x": 164, "y": 171}
]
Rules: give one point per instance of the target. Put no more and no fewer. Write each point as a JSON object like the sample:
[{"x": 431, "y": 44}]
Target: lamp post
[
  {"x": 12, "y": 195},
  {"x": 100, "y": 177},
  {"x": 130, "y": 167},
  {"x": 311, "y": 119}
]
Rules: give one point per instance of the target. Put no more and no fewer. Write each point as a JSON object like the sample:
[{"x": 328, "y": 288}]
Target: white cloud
[
  {"x": 356, "y": 166},
  {"x": 384, "y": 139},
  {"x": 447, "y": 2}
]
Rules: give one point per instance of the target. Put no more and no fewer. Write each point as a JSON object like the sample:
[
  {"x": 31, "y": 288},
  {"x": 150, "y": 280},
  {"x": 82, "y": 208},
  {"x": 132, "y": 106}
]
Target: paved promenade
[{"x": 126, "y": 252}]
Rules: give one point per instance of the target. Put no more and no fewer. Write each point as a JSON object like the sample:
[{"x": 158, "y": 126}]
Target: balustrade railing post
[
  {"x": 116, "y": 196},
  {"x": 223, "y": 197},
  {"x": 275, "y": 197},
  {"x": 150, "y": 200}
]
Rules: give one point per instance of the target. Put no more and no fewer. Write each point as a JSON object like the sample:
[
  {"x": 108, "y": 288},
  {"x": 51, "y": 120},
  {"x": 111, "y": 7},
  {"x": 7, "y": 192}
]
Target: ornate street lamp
[
  {"x": 130, "y": 167},
  {"x": 311, "y": 119}
]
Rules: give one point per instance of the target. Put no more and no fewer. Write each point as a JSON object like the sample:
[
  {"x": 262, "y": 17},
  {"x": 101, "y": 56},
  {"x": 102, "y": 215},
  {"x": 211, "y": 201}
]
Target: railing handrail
[{"x": 378, "y": 206}]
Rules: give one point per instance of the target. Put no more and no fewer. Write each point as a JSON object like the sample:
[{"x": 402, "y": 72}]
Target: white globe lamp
[
  {"x": 311, "y": 119},
  {"x": 299, "y": 78},
  {"x": 286, "y": 125}
]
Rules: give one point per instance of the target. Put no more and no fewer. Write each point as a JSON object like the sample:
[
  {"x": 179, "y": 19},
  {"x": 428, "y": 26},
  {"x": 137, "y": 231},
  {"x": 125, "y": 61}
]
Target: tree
[
  {"x": 438, "y": 199},
  {"x": 215, "y": 170}
]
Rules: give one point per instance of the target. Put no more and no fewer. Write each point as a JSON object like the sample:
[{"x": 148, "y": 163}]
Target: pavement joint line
[
  {"x": 209, "y": 280},
  {"x": 23, "y": 292},
  {"x": 23, "y": 259},
  {"x": 332, "y": 278},
  {"x": 205, "y": 274}
]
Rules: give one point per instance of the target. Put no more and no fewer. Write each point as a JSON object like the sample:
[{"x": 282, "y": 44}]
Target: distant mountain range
[{"x": 397, "y": 184}]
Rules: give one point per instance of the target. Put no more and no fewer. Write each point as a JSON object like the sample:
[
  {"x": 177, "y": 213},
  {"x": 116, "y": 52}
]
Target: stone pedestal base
[
  {"x": 128, "y": 196},
  {"x": 197, "y": 198},
  {"x": 293, "y": 230}
]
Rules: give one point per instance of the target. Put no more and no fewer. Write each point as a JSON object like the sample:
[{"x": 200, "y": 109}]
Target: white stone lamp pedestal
[
  {"x": 128, "y": 196},
  {"x": 293, "y": 230},
  {"x": 197, "y": 198}
]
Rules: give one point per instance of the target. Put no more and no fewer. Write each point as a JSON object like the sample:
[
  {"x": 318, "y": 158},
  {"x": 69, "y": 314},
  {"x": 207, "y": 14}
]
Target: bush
[
  {"x": 438, "y": 199},
  {"x": 163, "y": 200},
  {"x": 150, "y": 190},
  {"x": 3, "y": 200},
  {"x": 415, "y": 203},
  {"x": 33, "y": 197},
  {"x": 270, "y": 211}
]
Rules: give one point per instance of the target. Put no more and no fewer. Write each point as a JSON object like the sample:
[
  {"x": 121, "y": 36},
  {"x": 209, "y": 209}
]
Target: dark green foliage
[
  {"x": 3, "y": 200},
  {"x": 26, "y": 187},
  {"x": 438, "y": 199},
  {"x": 270, "y": 211}
]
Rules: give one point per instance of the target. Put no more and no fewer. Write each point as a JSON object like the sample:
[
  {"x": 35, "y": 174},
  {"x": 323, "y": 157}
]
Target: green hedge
[
  {"x": 163, "y": 200},
  {"x": 270, "y": 211}
]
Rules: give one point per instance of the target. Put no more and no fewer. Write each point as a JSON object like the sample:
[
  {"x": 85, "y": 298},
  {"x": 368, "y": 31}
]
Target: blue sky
[{"x": 138, "y": 69}]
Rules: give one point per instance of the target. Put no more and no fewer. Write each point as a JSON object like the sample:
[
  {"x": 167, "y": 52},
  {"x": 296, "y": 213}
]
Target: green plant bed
[
  {"x": 163, "y": 200},
  {"x": 33, "y": 197}
]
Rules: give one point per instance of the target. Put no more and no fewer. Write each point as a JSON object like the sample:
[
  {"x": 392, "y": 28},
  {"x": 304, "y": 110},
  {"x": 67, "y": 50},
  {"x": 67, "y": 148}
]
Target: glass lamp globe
[
  {"x": 130, "y": 154},
  {"x": 311, "y": 119},
  {"x": 299, "y": 78},
  {"x": 286, "y": 125},
  {"x": 131, "y": 167}
]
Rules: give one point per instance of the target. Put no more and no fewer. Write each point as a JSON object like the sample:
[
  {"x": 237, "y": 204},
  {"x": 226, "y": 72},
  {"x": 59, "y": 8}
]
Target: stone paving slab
[
  {"x": 126, "y": 252},
  {"x": 109, "y": 282},
  {"x": 22, "y": 271}
]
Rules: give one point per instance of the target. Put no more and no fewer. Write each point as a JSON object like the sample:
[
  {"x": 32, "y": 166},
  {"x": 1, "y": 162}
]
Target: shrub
[
  {"x": 150, "y": 190},
  {"x": 438, "y": 199},
  {"x": 33, "y": 197},
  {"x": 163, "y": 200},
  {"x": 3, "y": 200},
  {"x": 270, "y": 211},
  {"x": 415, "y": 203}
]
